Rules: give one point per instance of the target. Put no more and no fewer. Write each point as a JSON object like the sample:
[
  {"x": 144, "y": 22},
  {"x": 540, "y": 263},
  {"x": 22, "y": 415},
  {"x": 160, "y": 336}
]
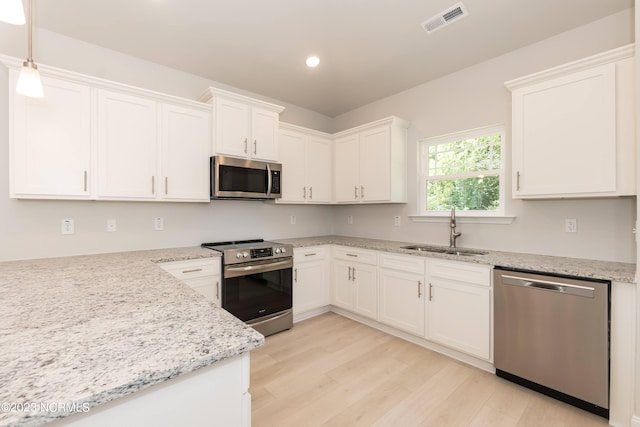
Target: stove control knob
[
  {"x": 283, "y": 250},
  {"x": 238, "y": 255},
  {"x": 277, "y": 250},
  {"x": 245, "y": 254}
]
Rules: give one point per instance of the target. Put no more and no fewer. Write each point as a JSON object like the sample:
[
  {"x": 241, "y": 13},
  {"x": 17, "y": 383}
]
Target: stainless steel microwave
[{"x": 233, "y": 178}]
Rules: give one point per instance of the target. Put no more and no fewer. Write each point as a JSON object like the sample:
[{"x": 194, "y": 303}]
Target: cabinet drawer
[
  {"x": 355, "y": 255},
  {"x": 311, "y": 253},
  {"x": 193, "y": 268},
  {"x": 461, "y": 271},
  {"x": 410, "y": 264}
]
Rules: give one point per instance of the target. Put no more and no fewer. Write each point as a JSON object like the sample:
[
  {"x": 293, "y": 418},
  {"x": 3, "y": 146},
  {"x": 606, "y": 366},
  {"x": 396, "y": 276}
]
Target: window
[{"x": 463, "y": 170}]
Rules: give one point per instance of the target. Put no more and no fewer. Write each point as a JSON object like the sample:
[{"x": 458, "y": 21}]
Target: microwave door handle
[{"x": 268, "y": 180}]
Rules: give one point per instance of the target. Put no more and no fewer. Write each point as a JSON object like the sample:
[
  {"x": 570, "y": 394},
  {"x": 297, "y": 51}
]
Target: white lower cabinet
[
  {"x": 311, "y": 289},
  {"x": 355, "y": 284},
  {"x": 401, "y": 292},
  {"x": 459, "y": 307},
  {"x": 443, "y": 302},
  {"x": 202, "y": 275}
]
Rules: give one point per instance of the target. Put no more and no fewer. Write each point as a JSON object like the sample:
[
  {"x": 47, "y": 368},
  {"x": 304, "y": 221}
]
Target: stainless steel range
[{"x": 257, "y": 283}]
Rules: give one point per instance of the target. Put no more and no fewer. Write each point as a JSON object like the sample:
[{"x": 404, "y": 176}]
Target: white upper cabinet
[
  {"x": 50, "y": 141},
  {"x": 574, "y": 129},
  {"x": 243, "y": 127},
  {"x": 90, "y": 138},
  {"x": 371, "y": 164},
  {"x": 186, "y": 138},
  {"x": 127, "y": 146},
  {"x": 306, "y": 158}
]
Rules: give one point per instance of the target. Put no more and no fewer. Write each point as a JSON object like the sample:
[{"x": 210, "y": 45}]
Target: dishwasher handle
[{"x": 564, "y": 288}]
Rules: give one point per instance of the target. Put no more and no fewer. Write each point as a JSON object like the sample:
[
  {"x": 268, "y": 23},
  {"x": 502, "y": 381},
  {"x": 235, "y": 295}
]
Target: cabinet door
[
  {"x": 231, "y": 128},
  {"x": 51, "y": 141},
  {"x": 347, "y": 172},
  {"x": 366, "y": 290},
  {"x": 343, "y": 291},
  {"x": 319, "y": 170},
  {"x": 264, "y": 134},
  {"x": 375, "y": 163},
  {"x": 564, "y": 135},
  {"x": 186, "y": 140},
  {"x": 459, "y": 316},
  {"x": 310, "y": 286},
  {"x": 402, "y": 301},
  {"x": 292, "y": 155},
  {"x": 127, "y": 146}
]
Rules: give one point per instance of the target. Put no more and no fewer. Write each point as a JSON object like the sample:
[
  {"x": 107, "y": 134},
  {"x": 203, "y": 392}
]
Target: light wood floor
[{"x": 332, "y": 371}]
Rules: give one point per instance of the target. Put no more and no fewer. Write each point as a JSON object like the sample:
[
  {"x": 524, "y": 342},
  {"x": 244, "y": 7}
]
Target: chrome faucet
[{"x": 452, "y": 224}]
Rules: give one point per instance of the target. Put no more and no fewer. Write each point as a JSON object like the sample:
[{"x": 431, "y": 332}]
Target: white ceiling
[{"x": 369, "y": 49}]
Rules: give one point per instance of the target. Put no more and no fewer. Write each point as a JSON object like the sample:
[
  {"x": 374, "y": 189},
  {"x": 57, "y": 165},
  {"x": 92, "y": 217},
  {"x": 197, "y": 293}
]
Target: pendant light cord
[{"x": 30, "y": 58}]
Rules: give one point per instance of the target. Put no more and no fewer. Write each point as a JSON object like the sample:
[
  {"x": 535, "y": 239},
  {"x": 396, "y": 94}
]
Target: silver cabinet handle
[
  {"x": 353, "y": 255},
  {"x": 218, "y": 290},
  {"x": 518, "y": 181},
  {"x": 353, "y": 274},
  {"x": 419, "y": 286},
  {"x": 245, "y": 145},
  {"x": 362, "y": 191},
  {"x": 191, "y": 271},
  {"x": 85, "y": 181},
  {"x": 355, "y": 192},
  {"x": 349, "y": 273},
  {"x": 153, "y": 185},
  {"x": 311, "y": 254},
  {"x": 295, "y": 275},
  {"x": 304, "y": 192},
  {"x": 255, "y": 146},
  {"x": 166, "y": 185},
  {"x": 430, "y": 292},
  {"x": 310, "y": 193}
]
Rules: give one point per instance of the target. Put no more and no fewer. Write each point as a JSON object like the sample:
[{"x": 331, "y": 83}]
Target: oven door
[{"x": 256, "y": 289}]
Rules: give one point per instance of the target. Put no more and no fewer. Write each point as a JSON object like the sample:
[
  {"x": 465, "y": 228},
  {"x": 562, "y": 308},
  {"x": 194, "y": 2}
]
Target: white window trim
[{"x": 489, "y": 217}]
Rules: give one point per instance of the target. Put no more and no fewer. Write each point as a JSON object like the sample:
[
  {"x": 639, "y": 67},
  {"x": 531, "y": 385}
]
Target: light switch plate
[{"x": 158, "y": 223}]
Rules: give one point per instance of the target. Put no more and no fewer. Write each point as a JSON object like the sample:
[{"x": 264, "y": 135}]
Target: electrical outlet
[
  {"x": 68, "y": 226},
  {"x": 350, "y": 219},
  {"x": 292, "y": 220},
  {"x": 397, "y": 221},
  {"x": 158, "y": 223},
  {"x": 111, "y": 225},
  {"x": 571, "y": 225}
]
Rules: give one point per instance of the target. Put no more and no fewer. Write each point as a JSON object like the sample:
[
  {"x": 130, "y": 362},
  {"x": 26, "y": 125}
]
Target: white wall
[
  {"x": 31, "y": 229},
  {"x": 476, "y": 97}
]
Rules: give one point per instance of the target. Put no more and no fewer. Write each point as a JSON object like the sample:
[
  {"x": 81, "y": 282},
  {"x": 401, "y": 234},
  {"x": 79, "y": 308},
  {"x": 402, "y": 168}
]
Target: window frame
[{"x": 423, "y": 172}]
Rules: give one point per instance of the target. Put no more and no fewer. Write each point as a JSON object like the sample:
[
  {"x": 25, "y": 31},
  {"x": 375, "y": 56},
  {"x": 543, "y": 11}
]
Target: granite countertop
[
  {"x": 90, "y": 329},
  {"x": 614, "y": 271}
]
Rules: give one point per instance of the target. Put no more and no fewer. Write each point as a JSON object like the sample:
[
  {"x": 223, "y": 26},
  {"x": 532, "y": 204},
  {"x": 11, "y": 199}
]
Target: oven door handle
[{"x": 259, "y": 268}]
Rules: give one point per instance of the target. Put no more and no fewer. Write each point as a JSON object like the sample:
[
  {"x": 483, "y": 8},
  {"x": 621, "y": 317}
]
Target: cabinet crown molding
[
  {"x": 211, "y": 92},
  {"x": 609, "y": 56},
  {"x": 391, "y": 120},
  {"x": 13, "y": 63}
]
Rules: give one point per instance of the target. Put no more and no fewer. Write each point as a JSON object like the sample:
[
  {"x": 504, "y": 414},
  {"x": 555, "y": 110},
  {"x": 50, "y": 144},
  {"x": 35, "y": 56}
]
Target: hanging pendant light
[
  {"x": 11, "y": 12},
  {"x": 29, "y": 83}
]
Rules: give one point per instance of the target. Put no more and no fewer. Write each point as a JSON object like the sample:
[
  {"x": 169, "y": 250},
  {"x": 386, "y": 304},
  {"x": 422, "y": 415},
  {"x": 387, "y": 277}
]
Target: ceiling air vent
[{"x": 455, "y": 12}]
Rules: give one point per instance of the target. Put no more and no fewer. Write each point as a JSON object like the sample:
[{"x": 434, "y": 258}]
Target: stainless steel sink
[{"x": 440, "y": 250}]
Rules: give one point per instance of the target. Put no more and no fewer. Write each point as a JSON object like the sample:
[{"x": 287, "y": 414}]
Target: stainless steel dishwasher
[{"x": 551, "y": 334}]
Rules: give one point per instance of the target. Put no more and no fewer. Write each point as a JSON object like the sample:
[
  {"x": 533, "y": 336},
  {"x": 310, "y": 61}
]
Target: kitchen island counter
[
  {"x": 605, "y": 270},
  {"x": 76, "y": 332}
]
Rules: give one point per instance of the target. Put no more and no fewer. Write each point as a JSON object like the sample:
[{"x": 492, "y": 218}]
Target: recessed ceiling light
[{"x": 313, "y": 61}]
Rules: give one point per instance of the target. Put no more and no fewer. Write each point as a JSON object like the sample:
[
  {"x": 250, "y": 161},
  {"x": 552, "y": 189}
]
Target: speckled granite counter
[
  {"x": 90, "y": 329},
  {"x": 615, "y": 271}
]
